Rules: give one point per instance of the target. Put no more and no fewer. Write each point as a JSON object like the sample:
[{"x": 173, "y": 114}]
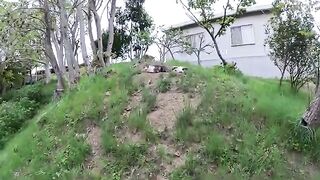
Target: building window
[
  {"x": 242, "y": 35},
  {"x": 194, "y": 39}
]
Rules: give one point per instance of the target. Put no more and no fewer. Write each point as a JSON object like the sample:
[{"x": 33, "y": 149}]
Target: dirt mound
[{"x": 168, "y": 107}]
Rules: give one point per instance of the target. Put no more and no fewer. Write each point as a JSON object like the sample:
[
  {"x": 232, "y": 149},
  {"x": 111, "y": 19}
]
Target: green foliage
[
  {"x": 292, "y": 26},
  {"x": 135, "y": 22},
  {"x": 12, "y": 116},
  {"x": 18, "y": 40},
  {"x": 18, "y": 106},
  {"x": 121, "y": 42},
  {"x": 149, "y": 100},
  {"x": 49, "y": 143},
  {"x": 164, "y": 85},
  {"x": 215, "y": 146}
]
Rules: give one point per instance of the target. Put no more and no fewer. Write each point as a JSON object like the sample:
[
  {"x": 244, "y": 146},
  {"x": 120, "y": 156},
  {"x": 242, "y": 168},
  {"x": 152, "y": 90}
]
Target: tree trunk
[
  {"x": 83, "y": 38},
  {"x": 67, "y": 44},
  {"x": 49, "y": 49},
  {"x": 99, "y": 32},
  {"x": 171, "y": 53},
  {"x": 111, "y": 30},
  {"x": 90, "y": 32},
  {"x": 224, "y": 62},
  {"x": 198, "y": 57},
  {"x": 311, "y": 117},
  {"x": 59, "y": 49},
  {"x": 282, "y": 76},
  {"x": 47, "y": 71}
]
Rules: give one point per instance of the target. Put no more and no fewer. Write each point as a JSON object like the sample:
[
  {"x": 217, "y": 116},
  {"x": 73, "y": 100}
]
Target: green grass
[
  {"x": 247, "y": 125},
  {"x": 244, "y": 126},
  {"x": 164, "y": 84}
]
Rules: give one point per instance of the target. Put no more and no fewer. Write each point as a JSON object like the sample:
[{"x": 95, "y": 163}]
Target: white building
[{"x": 243, "y": 43}]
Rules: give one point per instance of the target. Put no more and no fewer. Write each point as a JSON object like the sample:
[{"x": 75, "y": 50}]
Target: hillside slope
[{"x": 207, "y": 124}]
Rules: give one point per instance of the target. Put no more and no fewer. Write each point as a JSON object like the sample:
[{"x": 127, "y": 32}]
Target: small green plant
[
  {"x": 215, "y": 146},
  {"x": 161, "y": 152},
  {"x": 149, "y": 99},
  {"x": 137, "y": 120},
  {"x": 164, "y": 85},
  {"x": 184, "y": 130}
]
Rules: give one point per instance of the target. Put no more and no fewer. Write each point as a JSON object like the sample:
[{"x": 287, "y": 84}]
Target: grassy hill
[{"x": 207, "y": 124}]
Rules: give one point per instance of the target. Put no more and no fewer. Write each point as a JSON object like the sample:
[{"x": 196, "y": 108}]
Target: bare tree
[
  {"x": 170, "y": 42},
  {"x": 202, "y": 46}
]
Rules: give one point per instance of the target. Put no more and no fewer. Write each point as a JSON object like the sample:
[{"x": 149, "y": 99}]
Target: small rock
[
  {"x": 177, "y": 154},
  {"x": 108, "y": 93},
  {"x": 128, "y": 108}
]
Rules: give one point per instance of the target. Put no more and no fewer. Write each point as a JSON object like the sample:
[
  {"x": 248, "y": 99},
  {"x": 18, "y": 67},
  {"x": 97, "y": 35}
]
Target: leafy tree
[
  {"x": 134, "y": 21},
  {"x": 207, "y": 19},
  {"x": 292, "y": 41},
  {"x": 19, "y": 44}
]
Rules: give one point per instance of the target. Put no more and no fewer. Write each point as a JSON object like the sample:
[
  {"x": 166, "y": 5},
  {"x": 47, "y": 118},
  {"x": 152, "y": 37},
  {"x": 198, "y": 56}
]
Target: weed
[
  {"x": 184, "y": 121},
  {"x": 215, "y": 146},
  {"x": 149, "y": 100},
  {"x": 164, "y": 85},
  {"x": 161, "y": 152}
]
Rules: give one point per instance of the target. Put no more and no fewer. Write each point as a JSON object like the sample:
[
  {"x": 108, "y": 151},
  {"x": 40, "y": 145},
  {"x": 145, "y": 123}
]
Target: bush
[
  {"x": 40, "y": 93},
  {"x": 13, "y": 115}
]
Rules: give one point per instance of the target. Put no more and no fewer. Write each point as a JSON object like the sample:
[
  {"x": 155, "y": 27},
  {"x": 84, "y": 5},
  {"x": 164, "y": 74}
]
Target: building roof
[{"x": 249, "y": 11}]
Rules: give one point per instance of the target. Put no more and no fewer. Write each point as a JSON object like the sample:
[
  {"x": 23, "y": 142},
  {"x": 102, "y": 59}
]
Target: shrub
[
  {"x": 12, "y": 117},
  {"x": 39, "y": 92}
]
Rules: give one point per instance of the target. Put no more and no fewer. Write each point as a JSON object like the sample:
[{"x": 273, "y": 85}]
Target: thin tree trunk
[
  {"x": 111, "y": 30},
  {"x": 99, "y": 32},
  {"x": 282, "y": 76},
  {"x": 224, "y": 62},
  {"x": 90, "y": 32},
  {"x": 59, "y": 50},
  {"x": 83, "y": 38},
  {"x": 171, "y": 53},
  {"x": 47, "y": 72},
  {"x": 67, "y": 44},
  {"x": 49, "y": 49}
]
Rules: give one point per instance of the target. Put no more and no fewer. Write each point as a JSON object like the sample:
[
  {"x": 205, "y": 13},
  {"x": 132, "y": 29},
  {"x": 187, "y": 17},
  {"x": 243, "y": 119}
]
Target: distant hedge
[{"x": 18, "y": 106}]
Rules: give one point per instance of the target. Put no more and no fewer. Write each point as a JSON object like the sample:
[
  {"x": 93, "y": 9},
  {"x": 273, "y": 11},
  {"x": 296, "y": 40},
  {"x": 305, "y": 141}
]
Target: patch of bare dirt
[
  {"x": 124, "y": 133},
  {"x": 149, "y": 80},
  {"x": 94, "y": 140},
  {"x": 168, "y": 107},
  {"x": 134, "y": 102},
  {"x": 300, "y": 164},
  {"x": 163, "y": 120}
]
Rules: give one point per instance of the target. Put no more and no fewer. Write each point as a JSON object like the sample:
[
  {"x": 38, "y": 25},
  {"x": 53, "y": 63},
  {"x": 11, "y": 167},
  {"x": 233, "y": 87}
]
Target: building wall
[{"x": 251, "y": 59}]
